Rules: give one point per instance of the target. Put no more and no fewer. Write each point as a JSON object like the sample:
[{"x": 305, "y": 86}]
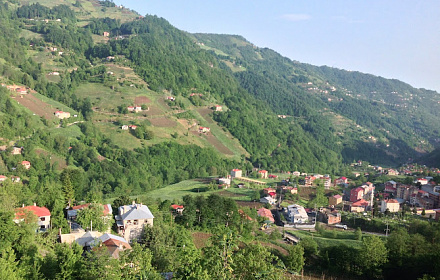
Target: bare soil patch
[
  {"x": 139, "y": 100},
  {"x": 37, "y": 106},
  {"x": 252, "y": 205},
  {"x": 230, "y": 194},
  {"x": 53, "y": 158},
  {"x": 155, "y": 111},
  {"x": 218, "y": 145},
  {"x": 200, "y": 239},
  {"x": 163, "y": 122},
  {"x": 205, "y": 114}
]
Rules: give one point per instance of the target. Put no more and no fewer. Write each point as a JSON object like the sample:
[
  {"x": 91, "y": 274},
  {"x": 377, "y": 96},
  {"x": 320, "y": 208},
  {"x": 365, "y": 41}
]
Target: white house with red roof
[
  {"x": 177, "y": 208},
  {"x": 26, "y": 164},
  {"x": 391, "y": 204},
  {"x": 3, "y": 178},
  {"x": 263, "y": 174},
  {"x": 42, "y": 213},
  {"x": 218, "y": 108},
  {"x": 204, "y": 129},
  {"x": 359, "y": 206},
  {"x": 422, "y": 181},
  {"x": 236, "y": 173},
  {"x": 341, "y": 180},
  {"x": 62, "y": 115},
  {"x": 72, "y": 213}
]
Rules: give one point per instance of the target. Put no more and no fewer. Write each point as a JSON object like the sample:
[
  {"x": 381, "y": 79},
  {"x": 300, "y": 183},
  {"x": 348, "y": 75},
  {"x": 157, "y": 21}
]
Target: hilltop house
[
  {"x": 16, "y": 151},
  {"x": 106, "y": 34},
  {"x": 263, "y": 174},
  {"x": 134, "y": 109},
  {"x": 178, "y": 209},
  {"x": 26, "y": 164},
  {"x": 341, "y": 180},
  {"x": 42, "y": 213},
  {"x": 236, "y": 173},
  {"x": 218, "y": 108},
  {"x": 62, "y": 115},
  {"x": 132, "y": 219},
  {"x": 203, "y": 129}
]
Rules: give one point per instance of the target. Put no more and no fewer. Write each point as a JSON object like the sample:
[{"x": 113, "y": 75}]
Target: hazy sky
[{"x": 393, "y": 38}]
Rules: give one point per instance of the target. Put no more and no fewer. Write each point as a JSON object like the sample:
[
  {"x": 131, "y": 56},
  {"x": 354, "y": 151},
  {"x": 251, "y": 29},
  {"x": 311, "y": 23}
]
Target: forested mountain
[{"x": 357, "y": 115}]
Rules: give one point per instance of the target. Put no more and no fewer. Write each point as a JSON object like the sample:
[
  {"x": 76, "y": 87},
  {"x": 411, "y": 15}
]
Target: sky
[{"x": 397, "y": 39}]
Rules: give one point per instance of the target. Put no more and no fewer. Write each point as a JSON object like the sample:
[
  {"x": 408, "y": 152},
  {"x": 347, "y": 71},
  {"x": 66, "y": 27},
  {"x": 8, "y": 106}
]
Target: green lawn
[
  {"x": 340, "y": 238},
  {"x": 179, "y": 190}
]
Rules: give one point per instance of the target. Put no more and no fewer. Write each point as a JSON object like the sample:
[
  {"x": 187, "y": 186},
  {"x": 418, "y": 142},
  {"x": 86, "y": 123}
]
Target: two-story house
[{"x": 132, "y": 219}]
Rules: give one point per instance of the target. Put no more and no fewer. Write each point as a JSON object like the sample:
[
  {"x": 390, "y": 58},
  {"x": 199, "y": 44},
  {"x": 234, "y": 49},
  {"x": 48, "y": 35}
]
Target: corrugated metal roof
[{"x": 135, "y": 212}]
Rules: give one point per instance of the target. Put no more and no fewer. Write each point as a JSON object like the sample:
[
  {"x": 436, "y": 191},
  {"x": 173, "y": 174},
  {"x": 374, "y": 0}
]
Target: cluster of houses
[
  {"x": 424, "y": 193},
  {"x": 127, "y": 127},
  {"x": 16, "y": 88},
  {"x": 130, "y": 221}
]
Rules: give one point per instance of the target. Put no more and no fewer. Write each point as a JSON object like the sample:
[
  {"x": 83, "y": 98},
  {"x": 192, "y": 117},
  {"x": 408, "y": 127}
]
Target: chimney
[
  {"x": 35, "y": 204},
  {"x": 22, "y": 205}
]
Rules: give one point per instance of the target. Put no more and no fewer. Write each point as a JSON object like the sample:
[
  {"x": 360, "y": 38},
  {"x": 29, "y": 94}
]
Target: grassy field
[
  {"x": 338, "y": 238},
  {"x": 179, "y": 190},
  {"x": 72, "y": 131}
]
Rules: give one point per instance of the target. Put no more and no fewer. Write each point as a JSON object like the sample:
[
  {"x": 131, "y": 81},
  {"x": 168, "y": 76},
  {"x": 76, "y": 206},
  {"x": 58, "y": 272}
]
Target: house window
[
  {"x": 135, "y": 222},
  {"x": 42, "y": 219},
  {"x": 43, "y": 227}
]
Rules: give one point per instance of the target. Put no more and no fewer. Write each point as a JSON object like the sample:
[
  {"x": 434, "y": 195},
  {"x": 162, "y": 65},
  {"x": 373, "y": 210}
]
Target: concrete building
[{"x": 132, "y": 219}]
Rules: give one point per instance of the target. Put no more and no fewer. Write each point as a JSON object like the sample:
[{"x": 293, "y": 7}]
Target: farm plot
[
  {"x": 218, "y": 145},
  {"x": 205, "y": 114},
  {"x": 36, "y": 106},
  {"x": 140, "y": 100},
  {"x": 162, "y": 122}
]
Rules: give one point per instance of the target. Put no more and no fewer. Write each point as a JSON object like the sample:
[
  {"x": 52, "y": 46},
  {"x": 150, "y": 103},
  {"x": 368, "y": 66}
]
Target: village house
[
  {"x": 391, "y": 204},
  {"x": 132, "y": 127},
  {"x": 422, "y": 181},
  {"x": 335, "y": 200},
  {"x": 42, "y": 213},
  {"x": 177, "y": 209},
  {"x": 236, "y": 173},
  {"x": 356, "y": 194},
  {"x": 433, "y": 194},
  {"x": 296, "y": 214},
  {"x": 359, "y": 206},
  {"x": 292, "y": 190},
  {"x": 404, "y": 191},
  {"x": 72, "y": 213},
  {"x": 263, "y": 174},
  {"x": 268, "y": 200},
  {"x": 26, "y": 164},
  {"x": 203, "y": 129},
  {"x": 327, "y": 180},
  {"x": 132, "y": 219},
  {"x": 296, "y": 173},
  {"x": 90, "y": 239},
  {"x": 62, "y": 115},
  {"x": 341, "y": 180},
  {"x": 16, "y": 151},
  {"x": 224, "y": 181},
  {"x": 266, "y": 213},
  {"x": 269, "y": 190},
  {"x": 392, "y": 172},
  {"x": 218, "y": 108},
  {"x": 329, "y": 216},
  {"x": 391, "y": 187},
  {"x": 171, "y": 98},
  {"x": 106, "y": 34},
  {"x": 3, "y": 178},
  {"x": 309, "y": 180},
  {"x": 124, "y": 127},
  {"x": 21, "y": 90},
  {"x": 15, "y": 179},
  {"x": 135, "y": 109}
]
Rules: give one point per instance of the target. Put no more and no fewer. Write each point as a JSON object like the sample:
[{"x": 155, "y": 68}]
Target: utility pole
[{"x": 386, "y": 230}]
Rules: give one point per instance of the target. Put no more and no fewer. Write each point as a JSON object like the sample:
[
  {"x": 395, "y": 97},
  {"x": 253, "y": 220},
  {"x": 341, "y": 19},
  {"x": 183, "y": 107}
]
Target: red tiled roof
[
  {"x": 360, "y": 202},
  {"x": 337, "y": 196},
  {"x": 262, "y": 171},
  {"x": 391, "y": 201},
  {"x": 236, "y": 169},
  {"x": 272, "y": 193},
  {"x": 39, "y": 211},
  {"x": 25, "y": 162},
  {"x": 82, "y": 206},
  {"x": 264, "y": 212},
  {"x": 175, "y": 206}
]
